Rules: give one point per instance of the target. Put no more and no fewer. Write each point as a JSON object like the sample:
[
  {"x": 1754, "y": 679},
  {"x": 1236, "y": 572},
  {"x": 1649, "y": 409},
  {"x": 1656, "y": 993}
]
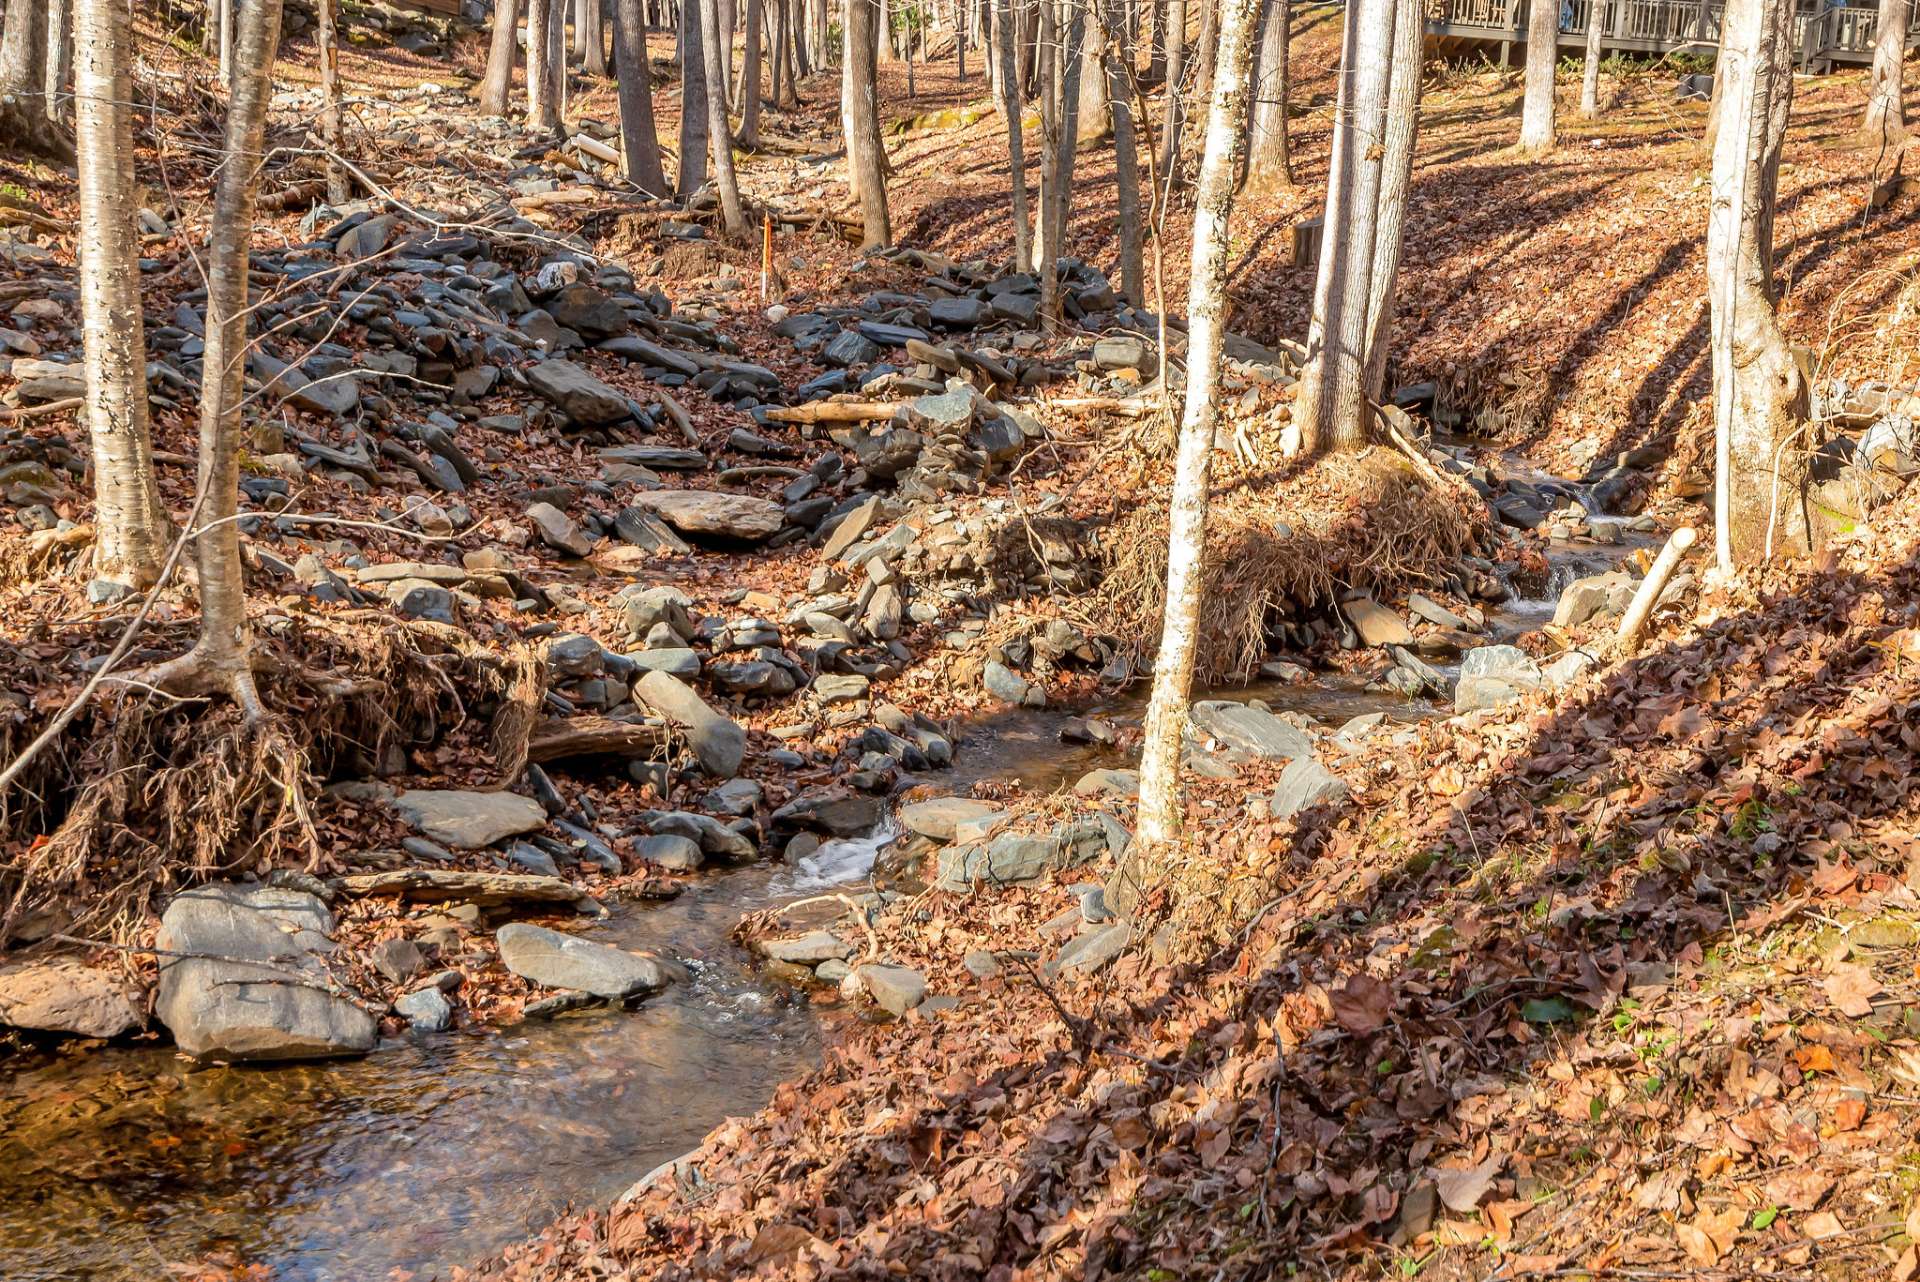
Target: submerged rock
[{"x": 554, "y": 959}]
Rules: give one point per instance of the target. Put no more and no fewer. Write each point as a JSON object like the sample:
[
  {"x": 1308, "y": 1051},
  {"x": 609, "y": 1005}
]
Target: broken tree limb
[
  {"x": 595, "y": 148},
  {"x": 1634, "y": 621},
  {"x": 678, "y": 414},
  {"x": 35, "y": 411},
  {"x": 555, "y": 738},
  {"x": 834, "y": 412}
]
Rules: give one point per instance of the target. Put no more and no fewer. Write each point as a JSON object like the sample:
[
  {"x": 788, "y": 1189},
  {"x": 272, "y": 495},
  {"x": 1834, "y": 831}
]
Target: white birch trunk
[
  {"x": 1536, "y": 107},
  {"x": 130, "y": 527},
  {"x": 1590, "y": 71},
  {"x": 1396, "y": 176}
]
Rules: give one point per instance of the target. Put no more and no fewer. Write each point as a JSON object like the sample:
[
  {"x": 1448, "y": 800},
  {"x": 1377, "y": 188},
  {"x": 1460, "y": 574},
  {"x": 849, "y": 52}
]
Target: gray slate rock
[
  {"x": 554, "y": 959},
  {"x": 426, "y": 1010},
  {"x": 894, "y": 989},
  {"x": 584, "y": 399},
  {"x": 1305, "y": 783},
  {"x": 63, "y": 995},
  {"x": 718, "y": 742},
  {"x": 469, "y": 820},
  {"x": 1251, "y": 730}
]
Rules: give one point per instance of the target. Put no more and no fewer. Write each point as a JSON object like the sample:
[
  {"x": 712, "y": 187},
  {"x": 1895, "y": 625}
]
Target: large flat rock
[
  {"x": 716, "y": 515},
  {"x": 469, "y": 820},
  {"x": 584, "y": 399},
  {"x": 1250, "y": 729},
  {"x": 555, "y": 959},
  {"x": 64, "y": 995},
  {"x": 241, "y": 977},
  {"x": 718, "y": 741},
  {"x": 938, "y": 816}
]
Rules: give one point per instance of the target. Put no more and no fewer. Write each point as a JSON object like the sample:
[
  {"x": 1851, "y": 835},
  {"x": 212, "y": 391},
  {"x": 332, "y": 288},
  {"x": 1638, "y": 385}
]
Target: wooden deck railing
[{"x": 1825, "y": 32}]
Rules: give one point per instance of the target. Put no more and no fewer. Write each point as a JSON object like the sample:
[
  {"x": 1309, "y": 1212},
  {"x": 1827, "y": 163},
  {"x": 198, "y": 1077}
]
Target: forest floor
[{"x": 1617, "y": 979}]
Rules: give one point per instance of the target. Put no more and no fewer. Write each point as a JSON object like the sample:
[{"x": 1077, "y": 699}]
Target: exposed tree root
[{"x": 25, "y": 130}]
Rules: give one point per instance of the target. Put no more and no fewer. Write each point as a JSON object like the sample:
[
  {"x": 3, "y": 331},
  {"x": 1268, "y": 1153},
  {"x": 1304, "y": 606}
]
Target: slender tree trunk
[
  {"x": 1157, "y": 51},
  {"x": 222, "y": 658},
  {"x": 750, "y": 80},
  {"x": 1206, "y": 49},
  {"x": 59, "y": 71},
  {"x": 1396, "y": 176},
  {"x": 1047, "y": 40},
  {"x": 591, "y": 35},
  {"x": 1160, "y": 798},
  {"x": 1331, "y": 408},
  {"x": 639, "y": 140},
  {"x": 557, "y": 77},
  {"x": 694, "y": 118},
  {"x": 1068, "y": 66},
  {"x": 1174, "y": 111},
  {"x": 961, "y": 12},
  {"x": 130, "y": 526},
  {"x": 25, "y": 124},
  {"x": 727, "y": 16},
  {"x": 733, "y": 213},
  {"x": 1094, "y": 113},
  {"x": 1126, "y": 160},
  {"x": 225, "y": 26},
  {"x": 1760, "y": 397},
  {"x": 540, "y": 107},
  {"x": 860, "y": 120},
  {"x": 1007, "y": 22},
  {"x": 1269, "y": 155},
  {"x": 777, "y": 56},
  {"x": 1886, "y": 101},
  {"x": 497, "y": 87},
  {"x": 1590, "y": 71},
  {"x": 339, "y": 191},
  {"x": 1536, "y": 109}
]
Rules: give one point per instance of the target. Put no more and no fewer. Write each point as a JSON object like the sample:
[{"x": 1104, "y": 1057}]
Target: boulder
[
  {"x": 589, "y": 311},
  {"x": 1492, "y": 675},
  {"x": 558, "y": 531},
  {"x": 709, "y": 512},
  {"x": 1250, "y": 729},
  {"x": 251, "y": 985},
  {"x": 718, "y": 742},
  {"x": 1377, "y": 625},
  {"x": 809, "y": 949},
  {"x": 1090, "y": 950},
  {"x": 426, "y": 1011},
  {"x": 1123, "y": 352},
  {"x": 1305, "y": 782},
  {"x": 466, "y": 820},
  {"x": 554, "y": 959},
  {"x": 584, "y": 399},
  {"x": 894, "y": 989},
  {"x": 671, "y": 851},
  {"x": 837, "y": 812},
  {"x": 958, "y": 313},
  {"x": 937, "y": 817},
  {"x": 851, "y": 348},
  {"x": 64, "y": 995}
]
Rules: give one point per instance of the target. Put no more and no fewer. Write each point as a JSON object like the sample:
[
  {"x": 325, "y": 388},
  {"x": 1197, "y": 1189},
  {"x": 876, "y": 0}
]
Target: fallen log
[
  {"x": 1634, "y": 621},
  {"x": 555, "y": 738},
  {"x": 834, "y": 412},
  {"x": 439, "y": 885}
]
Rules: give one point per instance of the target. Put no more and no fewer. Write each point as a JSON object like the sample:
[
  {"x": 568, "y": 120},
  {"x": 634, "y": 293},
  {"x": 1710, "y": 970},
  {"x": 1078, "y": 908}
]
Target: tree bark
[
  {"x": 1396, "y": 176},
  {"x": 1269, "y": 154},
  {"x": 339, "y": 191},
  {"x": 557, "y": 77},
  {"x": 130, "y": 525},
  {"x": 1331, "y": 409},
  {"x": 1886, "y": 100},
  {"x": 694, "y": 120},
  {"x": 1590, "y": 71},
  {"x": 25, "y": 125},
  {"x": 727, "y": 16},
  {"x": 1094, "y": 114},
  {"x": 590, "y": 33},
  {"x": 497, "y": 87},
  {"x": 1007, "y": 22},
  {"x": 1068, "y": 66},
  {"x": 1206, "y": 49},
  {"x": 1760, "y": 397},
  {"x": 733, "y": 213},
  {"x": 860, "y": 120},
  {"x": 1536, "y": 108},
  {"x": 750, "y": 80},
  {"x": 1174, "y": 109},
  {"x": 639, "y": 140},
  {"x": 59, "y": 69},
  {"x": 1160, "y": 798},
  {"x": 221, "y": 660},
  {"x": 1126, "y": 153},
  {"x": 541, "y": 113}
]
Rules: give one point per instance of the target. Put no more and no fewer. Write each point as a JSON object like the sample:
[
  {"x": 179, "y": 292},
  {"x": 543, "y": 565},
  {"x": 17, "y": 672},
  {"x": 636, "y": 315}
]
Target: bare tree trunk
[
  {"x": 497, "y": 87},
  {"x": 1007, "y": 22},
  {"x": 540, "y": 107},
  {"x": 59, "y": 71},
  {"x": 225, "y": 26},
  {"x": 694, "y": 120},
  {"x": 1157, "y": 50},
  {"x": 25, "y": 125},
  {"x": 720, "y": 135},
  {"x": 1094, "y": 114},
  {"x": 1396, "y": 176},
  {"x": 221, "y": 660},
  {"x": 557, "y": 77},
  {"x": 639, "y": 140},
  {"x": 961, "y": 12},
  {"x": 860, "y": 120},
  {"x": 1590, "y": 71},
  {"x": 1174, "y": 110},
  {"x": 1760, "y": 398},
  {"x": 1269, "y": 154},
  {"x": 1160, "y": 798},
  {"x": 777, "y": 55},
  {"x": 1886, "y": 101},
  {"x": 130, "y": 525},
  {"x": 1047, "y": 40},
  {"x": 1206, "y": 49},
  {"x": 1068, "y": 66},
  {"x": 590, "y": 33},
  {"x": 727, "y": 16},
  {"x": 1126, "y": 155},
  {"x": 1536, "y": 108},
  {"x": 1331, "y": 408},
  {"x": 750, "y": 80},
  {"x": 338, "y": 189}
]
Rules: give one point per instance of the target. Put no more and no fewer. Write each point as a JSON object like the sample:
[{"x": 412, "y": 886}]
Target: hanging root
[
  {"x": 1281, "y": 552},
  {"x": 192, "y": 770}
]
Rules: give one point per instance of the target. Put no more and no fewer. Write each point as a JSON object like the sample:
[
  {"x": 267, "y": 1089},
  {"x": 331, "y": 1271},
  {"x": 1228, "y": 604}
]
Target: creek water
[{"x": 434, "y": 1151}]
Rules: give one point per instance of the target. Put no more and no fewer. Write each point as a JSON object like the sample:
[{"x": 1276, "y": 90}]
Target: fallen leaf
[
  {"x": 1462, "y": 1187},
  {"x": 1363, "y": 1004},
  {"x": 1848, "y": 1114},
  {"x": 1850, "y": 988},
  {"x": 1821, "y": 1224},
  {"x": 1710, "y": 1236},
  {"x": 1800, "y": 1189}
]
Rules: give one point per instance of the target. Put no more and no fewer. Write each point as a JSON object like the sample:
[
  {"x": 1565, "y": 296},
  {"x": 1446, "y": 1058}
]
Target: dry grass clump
[{"x": 1281, "y": 552}]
